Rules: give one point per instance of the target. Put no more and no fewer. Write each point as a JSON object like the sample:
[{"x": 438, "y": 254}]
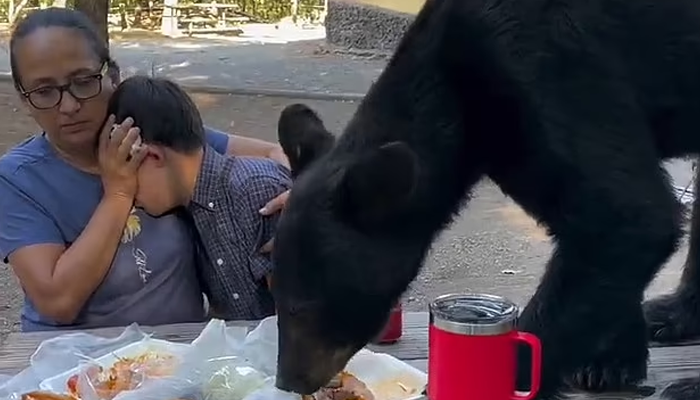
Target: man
[{"x": 222, "y": 196}]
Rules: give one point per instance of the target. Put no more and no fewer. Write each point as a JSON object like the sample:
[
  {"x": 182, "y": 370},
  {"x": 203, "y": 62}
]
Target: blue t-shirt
[{"x": 152, "y": 279}]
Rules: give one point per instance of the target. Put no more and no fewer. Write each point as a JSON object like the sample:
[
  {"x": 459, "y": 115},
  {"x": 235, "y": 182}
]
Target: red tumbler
[
  {"x": 472, "y": 352},
  {"x": 393, "y": 329}
]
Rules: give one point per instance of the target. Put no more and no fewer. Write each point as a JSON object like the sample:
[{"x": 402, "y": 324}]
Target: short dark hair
[
  {"x": 61, "y": 18},
  {"x": 162, "y": 110}
]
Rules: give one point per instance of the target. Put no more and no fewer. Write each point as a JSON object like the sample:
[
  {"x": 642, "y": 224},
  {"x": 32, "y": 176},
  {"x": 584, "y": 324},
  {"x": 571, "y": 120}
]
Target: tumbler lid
[{"x": 473, "y": 314}]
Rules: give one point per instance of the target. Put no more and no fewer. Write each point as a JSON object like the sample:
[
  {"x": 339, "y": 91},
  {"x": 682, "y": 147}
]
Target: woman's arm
[
  {"x": 243, "y": 146},
  {"x": 59, "y": 281},
  {"x": 247, "y": 146}
]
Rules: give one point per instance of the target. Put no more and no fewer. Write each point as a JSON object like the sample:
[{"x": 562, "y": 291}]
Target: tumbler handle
[{"x": 536, "y": 366}]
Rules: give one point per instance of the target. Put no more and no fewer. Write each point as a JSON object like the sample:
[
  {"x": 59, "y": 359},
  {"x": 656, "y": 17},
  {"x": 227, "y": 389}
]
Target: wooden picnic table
[
  {"x": 204, "y": 5},
  {"x": 667, "y": 364},
  {"x": 204, "y": 18}
]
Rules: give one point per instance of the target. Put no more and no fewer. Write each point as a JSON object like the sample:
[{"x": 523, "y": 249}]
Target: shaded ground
[{"x": 493, "y": 247}]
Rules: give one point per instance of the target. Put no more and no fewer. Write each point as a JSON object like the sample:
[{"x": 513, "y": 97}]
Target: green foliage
[
  {"x": 257, "y": 10},
  {"x": 274, "y": 10}
]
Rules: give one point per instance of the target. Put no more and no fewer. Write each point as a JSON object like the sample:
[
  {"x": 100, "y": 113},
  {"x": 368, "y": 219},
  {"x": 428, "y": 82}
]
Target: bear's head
[{"x": 343, "y": 248}]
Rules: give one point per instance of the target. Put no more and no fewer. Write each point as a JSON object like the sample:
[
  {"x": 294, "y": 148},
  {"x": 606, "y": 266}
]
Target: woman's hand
[
  {"x": 273, "y": 206},
  {"x": 120, "y": 156}
]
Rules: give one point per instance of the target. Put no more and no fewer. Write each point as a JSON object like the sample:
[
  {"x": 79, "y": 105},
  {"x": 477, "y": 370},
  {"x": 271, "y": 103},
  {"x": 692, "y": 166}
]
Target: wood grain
[{"x": 667, "y": 364}]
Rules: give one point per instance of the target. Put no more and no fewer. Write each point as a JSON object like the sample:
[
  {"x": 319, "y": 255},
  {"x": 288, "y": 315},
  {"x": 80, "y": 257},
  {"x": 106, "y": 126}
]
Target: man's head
[
  {"x": 342, "y": 258},
  {"x": 172, "y": 131}
]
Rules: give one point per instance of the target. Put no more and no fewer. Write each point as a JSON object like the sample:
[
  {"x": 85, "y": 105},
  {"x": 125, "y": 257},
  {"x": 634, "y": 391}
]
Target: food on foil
[
  {"x": 39, "y": 395},
  {"x": 345, "y": 386},
  {"x": 125, "y": 374}
]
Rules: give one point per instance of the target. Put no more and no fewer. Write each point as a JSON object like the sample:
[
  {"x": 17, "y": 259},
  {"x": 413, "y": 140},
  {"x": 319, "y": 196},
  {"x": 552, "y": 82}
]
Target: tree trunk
[
  {"x": 16, "y": 10},
  {"x": 11, "y": 11},
  {"x": 295, "y": 11},
  {"x": 97, "y": 10}
]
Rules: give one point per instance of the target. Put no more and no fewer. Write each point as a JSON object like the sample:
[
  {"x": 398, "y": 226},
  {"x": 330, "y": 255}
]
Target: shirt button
[
  {"x": 236, "y": 296},
  {"x": 211, "y": 205},
  {"x": 219, "y": 262}
]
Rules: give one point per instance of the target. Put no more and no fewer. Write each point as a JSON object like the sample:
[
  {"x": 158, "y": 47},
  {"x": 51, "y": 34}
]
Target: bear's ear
[
  {"x": 303, "y": 136},
  {"x": 373, "y": 188}
]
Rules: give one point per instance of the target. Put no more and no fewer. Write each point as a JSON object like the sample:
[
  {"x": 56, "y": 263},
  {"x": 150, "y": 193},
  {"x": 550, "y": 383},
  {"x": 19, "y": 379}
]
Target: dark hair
[
  {"x": 163, "y": 111},
  {"x": 61, "y": 18}
]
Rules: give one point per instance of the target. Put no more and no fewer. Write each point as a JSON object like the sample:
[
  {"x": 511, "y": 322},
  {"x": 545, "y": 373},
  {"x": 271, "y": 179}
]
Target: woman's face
[{"x": 56, "y": 56}]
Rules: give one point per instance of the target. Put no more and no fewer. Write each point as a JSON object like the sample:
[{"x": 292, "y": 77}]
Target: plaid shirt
[{"x": 225, "y": 206}]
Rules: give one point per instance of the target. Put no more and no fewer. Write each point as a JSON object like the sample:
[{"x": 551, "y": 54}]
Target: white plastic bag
[
  {"x": 62, "y": 353},
  {"x": 198, "y": 365},
  {"x": 270, "y": 392},
  {"x": 222, "y": 370},
  {"x": 134, "y": 369},
  {"x": 222, "y": 363},
  {"x": 260, "y": 346},
  {"x": 234, "y": 380}
]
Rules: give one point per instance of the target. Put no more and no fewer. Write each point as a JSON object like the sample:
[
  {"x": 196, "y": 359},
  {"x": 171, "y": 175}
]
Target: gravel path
[{"x": 264, "y": 58}]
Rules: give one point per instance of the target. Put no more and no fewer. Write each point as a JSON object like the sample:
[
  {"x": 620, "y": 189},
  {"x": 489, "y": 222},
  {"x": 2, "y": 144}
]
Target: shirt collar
[{"x": 207, "y": 188}]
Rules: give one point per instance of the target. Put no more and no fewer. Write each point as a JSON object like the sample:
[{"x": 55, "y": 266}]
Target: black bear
[{"x": 569, "y": 106}]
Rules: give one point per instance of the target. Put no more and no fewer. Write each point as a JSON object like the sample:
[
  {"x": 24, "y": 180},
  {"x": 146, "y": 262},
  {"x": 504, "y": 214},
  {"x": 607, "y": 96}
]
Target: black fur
[
  {"x": 676, "y": 317},
  {"x": 569, "y": 106},
  {"x": 309, "y": 141}
]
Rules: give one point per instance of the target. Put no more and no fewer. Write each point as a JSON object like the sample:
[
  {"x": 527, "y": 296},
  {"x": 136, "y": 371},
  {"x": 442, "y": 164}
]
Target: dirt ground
[{"x": 492, "y": 247}]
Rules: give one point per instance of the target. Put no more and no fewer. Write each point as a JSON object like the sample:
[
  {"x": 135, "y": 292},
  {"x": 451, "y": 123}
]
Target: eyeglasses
[{"x": 81, "y": 88}]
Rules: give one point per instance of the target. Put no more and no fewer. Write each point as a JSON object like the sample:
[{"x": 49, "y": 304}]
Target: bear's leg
[
  {"x": 676, "y": 317},
  {"x": 612, "y": 236},
  {"x": 593, "y": 338}
]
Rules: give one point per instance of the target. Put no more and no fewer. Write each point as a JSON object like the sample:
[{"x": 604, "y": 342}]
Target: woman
[{"x": 83, "y": 255}]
